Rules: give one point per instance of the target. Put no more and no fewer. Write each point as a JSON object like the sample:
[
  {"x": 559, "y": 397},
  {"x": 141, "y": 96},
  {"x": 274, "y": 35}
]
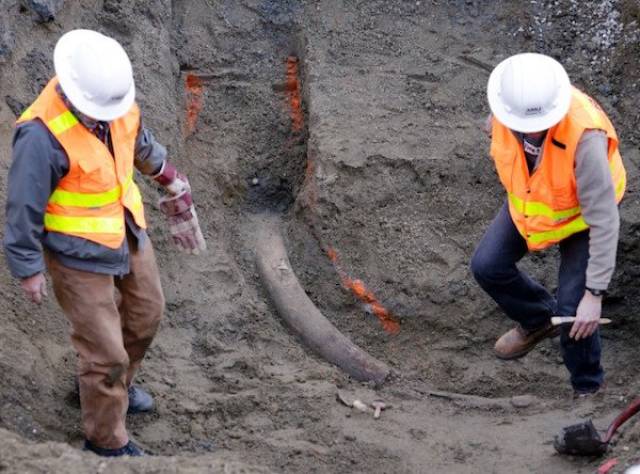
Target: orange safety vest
[
  {"x": 91, "y": 198},
  {"x": 544, "y": 206}
]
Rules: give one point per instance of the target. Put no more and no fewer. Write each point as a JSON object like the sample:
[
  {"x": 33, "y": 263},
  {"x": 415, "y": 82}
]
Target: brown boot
[{"x": 518, "y": 342}]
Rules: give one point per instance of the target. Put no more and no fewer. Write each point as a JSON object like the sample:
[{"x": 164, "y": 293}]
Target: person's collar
[{"x": 531, "y": 138}]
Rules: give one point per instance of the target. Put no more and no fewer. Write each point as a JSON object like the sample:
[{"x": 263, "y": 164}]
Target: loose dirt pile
[{"x": 359, "y": 123}]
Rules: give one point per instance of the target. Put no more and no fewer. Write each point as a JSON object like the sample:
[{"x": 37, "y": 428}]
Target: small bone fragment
[
  {"x": 358, "y": 404},
  {"x": 378, "y": 406}
]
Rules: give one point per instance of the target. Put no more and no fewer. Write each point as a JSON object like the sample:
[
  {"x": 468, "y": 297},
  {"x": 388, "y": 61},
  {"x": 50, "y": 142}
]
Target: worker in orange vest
[
  {"x": 556, "y": 154},
  {"x": 73, "y": 207}
]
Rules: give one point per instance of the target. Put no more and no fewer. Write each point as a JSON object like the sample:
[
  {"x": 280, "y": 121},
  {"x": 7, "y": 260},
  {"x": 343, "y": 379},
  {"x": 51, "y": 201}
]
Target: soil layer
[{"x": 360, "y": 124}]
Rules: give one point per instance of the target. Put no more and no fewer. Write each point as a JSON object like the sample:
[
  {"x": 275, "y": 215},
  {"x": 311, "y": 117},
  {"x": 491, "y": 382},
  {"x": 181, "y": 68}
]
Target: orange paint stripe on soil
[
  {"x": 357, "y": 287},
  {"x": 194, "y": 88},
  {"x": 310, "y": 184},
  {"x": 360, "y": 291},
  {"x": 293, "y": 91}
]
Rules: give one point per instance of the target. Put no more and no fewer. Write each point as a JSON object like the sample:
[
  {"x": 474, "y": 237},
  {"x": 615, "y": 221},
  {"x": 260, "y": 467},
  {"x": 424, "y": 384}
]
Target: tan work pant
[{"x": 111, "y": 335}]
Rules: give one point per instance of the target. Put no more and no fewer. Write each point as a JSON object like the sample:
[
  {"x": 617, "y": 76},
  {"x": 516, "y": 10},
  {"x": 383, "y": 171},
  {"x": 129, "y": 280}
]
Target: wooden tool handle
[{"x": 557, "y": 320}]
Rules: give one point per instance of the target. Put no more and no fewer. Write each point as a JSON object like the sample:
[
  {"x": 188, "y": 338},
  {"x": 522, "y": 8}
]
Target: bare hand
[
  {"x": 35, "y": 287},
  {"x": 587, "y": 316}
]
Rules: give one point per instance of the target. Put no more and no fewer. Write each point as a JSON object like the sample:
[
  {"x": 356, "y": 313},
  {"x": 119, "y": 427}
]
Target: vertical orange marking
[
  {"x": 357, "y": 287},
  {"x": 194, "y": 88},
  {"x": 293, "y": 91}
]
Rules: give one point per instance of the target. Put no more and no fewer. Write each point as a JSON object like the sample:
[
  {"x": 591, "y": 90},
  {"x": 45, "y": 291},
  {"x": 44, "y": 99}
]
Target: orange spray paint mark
[
  {"x": 360, "y": 291},
  {"x": 357, "y": 287},
  {"x": 311, "y": 189},
  {"x": 194, "y": 89},
  {"x": 292, "y": 87},
  {"x": 293, "y": 90}
]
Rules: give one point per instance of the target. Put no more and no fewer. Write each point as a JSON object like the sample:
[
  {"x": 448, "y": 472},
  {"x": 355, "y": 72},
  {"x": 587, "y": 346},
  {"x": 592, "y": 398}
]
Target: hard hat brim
[
  {"x": 534, "y": 123},
  {"x": 62, "y": 64}
]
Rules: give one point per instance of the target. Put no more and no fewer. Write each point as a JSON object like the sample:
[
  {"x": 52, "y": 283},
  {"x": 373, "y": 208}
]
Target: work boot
[
  {"x": 596, "y": 392},
  {"x": 518, "y": 342},
  {"x": 129, "y": 449},
  {"x": 139, "y": 400}
]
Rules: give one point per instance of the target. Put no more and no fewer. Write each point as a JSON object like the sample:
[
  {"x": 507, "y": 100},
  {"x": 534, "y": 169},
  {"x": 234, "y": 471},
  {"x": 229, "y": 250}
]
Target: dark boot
[
  {"x": 589, "y": 394},
  {"x": 129, "y": 449},
  {"x": 518, "y": 342},
  {"x": 139, "y": 400}
]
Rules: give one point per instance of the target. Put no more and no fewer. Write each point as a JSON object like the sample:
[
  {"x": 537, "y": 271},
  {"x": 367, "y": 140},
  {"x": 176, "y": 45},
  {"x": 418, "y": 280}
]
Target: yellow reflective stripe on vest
[
  {"x": 532, "y": 208},
  {"x": 620, "y": 184},
  {"x": 620, "y": 188},
  {"x": 560, "y": 233},
  {"x": 137, "y": 204},
  {"x": 58, "y": 125},
  {"x": 127, "y": 185},
  {"x": 62, "y": 122},
  {"x": 66, "y": 198},
  {"x": 590, "y": 108},
  {"x": 89, "y": 200},
  {"x": 26, "y": 115},
  {"x": 83, "y": 225}
]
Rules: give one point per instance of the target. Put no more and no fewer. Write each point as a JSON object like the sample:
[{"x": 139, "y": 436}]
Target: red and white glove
[
  {"x": 183, "y": 222},
  {"x": 171, "y": 179},
  {"x": 179, "y": 209}
]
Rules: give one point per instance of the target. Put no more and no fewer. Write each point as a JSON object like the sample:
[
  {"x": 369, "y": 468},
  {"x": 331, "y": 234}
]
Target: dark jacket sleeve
[
  {"x": 149, "y": 154},
  {"x": 37, "y": 166}
]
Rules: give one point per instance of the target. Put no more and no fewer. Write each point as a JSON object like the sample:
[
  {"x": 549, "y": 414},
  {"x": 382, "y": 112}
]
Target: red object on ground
[
  {"x": 627, "y": 413},
  {"x": 607, "y": 466}
]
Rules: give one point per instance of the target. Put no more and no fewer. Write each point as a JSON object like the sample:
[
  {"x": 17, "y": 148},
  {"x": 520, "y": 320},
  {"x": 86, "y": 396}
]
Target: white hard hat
[
  {"x": 95, "y": 74},
  {"x": 633, "y": 470},
  {"x": 529, "y": 92}
]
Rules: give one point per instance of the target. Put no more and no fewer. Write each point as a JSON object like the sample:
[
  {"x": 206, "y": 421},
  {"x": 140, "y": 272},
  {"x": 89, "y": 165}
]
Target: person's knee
[
  {"x": 481, "y": 267},
  {"x": 117, "y": 372},
  {"x": 112, "y": 365},
  {"x": 156, "y": 310},
  {"x": 488, "y": 269}
]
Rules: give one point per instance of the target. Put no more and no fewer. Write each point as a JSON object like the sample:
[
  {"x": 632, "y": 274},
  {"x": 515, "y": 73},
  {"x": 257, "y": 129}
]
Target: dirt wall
[{"x": 384, "y": 161}]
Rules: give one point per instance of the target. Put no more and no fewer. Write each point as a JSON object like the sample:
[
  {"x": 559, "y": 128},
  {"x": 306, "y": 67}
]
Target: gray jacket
[
  {"x": 39, "y": 162},
  {"x": 597, "y": 198}
]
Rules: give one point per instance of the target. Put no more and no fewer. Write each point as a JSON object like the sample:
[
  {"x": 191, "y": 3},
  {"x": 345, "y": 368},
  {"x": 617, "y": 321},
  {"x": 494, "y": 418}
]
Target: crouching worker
[
  {"x": 74, "y": 208},
  {"x": 556, "y": 154}
]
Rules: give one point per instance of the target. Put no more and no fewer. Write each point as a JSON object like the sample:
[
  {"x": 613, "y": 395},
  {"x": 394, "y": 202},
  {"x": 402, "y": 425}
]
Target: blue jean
[{"x": 527, "y": 302}]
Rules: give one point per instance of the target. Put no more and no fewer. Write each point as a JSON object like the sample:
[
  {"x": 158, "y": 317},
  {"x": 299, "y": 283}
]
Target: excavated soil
[{"x": 384, "y": 162}]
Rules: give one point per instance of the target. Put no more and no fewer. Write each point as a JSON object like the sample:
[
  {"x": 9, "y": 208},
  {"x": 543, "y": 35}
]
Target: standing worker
[
  {"x": 556, "y": 153},
  {"x": 73, "y": 203}
]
